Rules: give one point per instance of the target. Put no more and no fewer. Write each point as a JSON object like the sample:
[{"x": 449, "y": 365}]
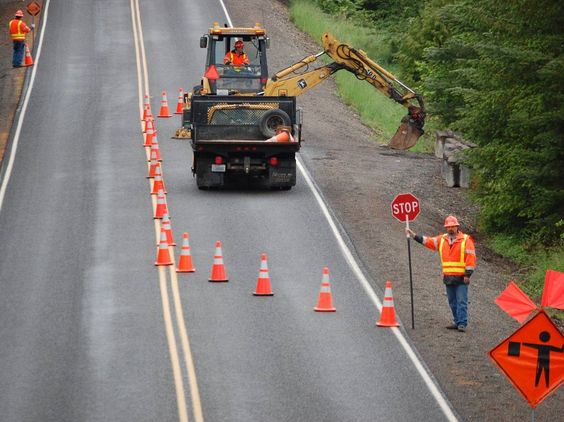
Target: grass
[{"x": 375, "y": 109}]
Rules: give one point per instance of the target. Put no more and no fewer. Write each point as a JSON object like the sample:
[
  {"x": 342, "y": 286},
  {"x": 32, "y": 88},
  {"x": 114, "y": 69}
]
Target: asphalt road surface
[{"x": 91, "y": 330}]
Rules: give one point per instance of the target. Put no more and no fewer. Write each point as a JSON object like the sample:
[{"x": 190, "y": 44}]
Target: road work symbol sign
[
  {"x": 33, "y": 8},
  {"x": 533, "y": 358},
  {"x": 405, "y": 206}
]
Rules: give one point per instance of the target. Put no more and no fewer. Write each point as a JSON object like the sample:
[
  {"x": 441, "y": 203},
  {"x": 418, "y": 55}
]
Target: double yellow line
[{"x": 143, "y": 86}]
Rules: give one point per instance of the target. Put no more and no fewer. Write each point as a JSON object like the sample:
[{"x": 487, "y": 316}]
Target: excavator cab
[{"x": 222, "y": 78}]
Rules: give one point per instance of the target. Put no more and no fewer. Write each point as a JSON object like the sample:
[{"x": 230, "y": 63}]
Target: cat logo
[{"x": 302, "y": 83}]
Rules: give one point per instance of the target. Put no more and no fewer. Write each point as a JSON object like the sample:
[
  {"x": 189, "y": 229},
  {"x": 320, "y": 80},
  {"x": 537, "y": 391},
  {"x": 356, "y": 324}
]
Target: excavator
[{"x": 234, "y": 115}]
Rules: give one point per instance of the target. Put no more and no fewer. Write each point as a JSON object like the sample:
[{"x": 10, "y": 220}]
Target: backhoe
[{"x": 245, "y": 127}]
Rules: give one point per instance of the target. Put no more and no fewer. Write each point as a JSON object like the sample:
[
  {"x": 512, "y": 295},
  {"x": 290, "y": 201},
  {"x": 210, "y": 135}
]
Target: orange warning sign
[
  {"x": 533, "y": 358},
  {"x": 33, "y": 8}
]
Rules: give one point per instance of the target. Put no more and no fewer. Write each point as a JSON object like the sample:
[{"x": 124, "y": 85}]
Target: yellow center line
[{"x": 143, "y": 79}]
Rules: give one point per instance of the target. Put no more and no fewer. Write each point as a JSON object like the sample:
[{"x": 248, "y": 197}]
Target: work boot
[
  {"x": 462, "y": 328},
  {"x": 452, "y": 327}
]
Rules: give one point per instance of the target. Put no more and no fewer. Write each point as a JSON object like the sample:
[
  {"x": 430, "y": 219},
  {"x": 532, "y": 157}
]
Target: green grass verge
[{"x": 375, "y": 109}]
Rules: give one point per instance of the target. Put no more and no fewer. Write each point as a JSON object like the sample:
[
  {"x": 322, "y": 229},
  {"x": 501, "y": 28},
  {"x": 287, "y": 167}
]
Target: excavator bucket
[{"x": 406, "y": 136}]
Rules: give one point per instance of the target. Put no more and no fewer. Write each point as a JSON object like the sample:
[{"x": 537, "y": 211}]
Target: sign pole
[{"x": 410, "y": 275}]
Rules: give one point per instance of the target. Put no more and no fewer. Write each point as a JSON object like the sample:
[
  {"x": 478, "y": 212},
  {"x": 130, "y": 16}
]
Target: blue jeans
[
  {"x": 458, "y": 301},
  {"x": 19, "y": 47}
]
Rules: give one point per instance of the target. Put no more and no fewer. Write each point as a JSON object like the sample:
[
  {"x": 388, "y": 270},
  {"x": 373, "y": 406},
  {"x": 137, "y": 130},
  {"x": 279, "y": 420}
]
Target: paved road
[{"x": 82, "y": 309}]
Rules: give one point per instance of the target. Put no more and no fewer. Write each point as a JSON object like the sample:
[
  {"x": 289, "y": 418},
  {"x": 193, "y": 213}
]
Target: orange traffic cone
[
  {"x": 218, "y": 273},
  {"x": 153, "y": 167},
  {"x": 146, "y": 106},
  {"x": 158, "y": 182},
  {"x": 155, "y": 151},
  {"x": 185, "y": 261},
  {"x": 388, "y": 315},
  {"x": 165, "y": 224},
  {"x": 280, "y": 137},
  {"x": 161, "y": 209},
  {"x": 180, "y": 103},
  {"x": 28, "y": 59},
  {"x": 150, "y": 134},
  {"x": 164, "y": 112},
  {"x": 163, "y": 255},
  {"x": 325, "y": 301},
  {"x": 263, "y": 281},
  {"x": 148, "y": 117}
]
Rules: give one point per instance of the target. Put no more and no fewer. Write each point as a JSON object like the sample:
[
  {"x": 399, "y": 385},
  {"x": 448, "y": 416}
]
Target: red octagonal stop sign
[{"x": 405, "y": 206}]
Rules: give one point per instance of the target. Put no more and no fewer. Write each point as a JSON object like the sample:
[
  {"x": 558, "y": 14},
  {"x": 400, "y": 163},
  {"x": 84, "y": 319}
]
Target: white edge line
[
  {"x": 372, "y": 295},
  {"x": 21, "y": 117}
]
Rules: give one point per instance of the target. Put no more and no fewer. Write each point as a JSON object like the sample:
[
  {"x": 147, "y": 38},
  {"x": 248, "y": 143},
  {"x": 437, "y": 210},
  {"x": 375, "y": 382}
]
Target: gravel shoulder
[{"x": 359, "y": 178}]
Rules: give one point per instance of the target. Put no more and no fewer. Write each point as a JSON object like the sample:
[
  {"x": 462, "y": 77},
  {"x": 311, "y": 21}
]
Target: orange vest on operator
[
  {"x": 18, "y": 29},
  {"x": 457, "y": 258},
  {"x": 236, "y": 59}
]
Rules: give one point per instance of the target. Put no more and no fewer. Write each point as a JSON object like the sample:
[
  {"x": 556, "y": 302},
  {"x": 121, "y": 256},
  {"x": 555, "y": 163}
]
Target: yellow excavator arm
[{"x": 288, "y": 83}]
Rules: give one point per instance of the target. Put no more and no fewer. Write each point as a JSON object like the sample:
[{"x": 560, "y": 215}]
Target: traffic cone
[
  {"x": 148, "y": 117},
  {"x": 263, "y": 281},
  {"x": 155, "y": 151},
  {"x": 162, "y": 208},
  {"x": 163, "y": 255},
  {"x": 28, "y": 59},
  {"x": 180, "y": 103},
  {"x": 146, "y": 106},
  {"x": 164, "y": 112},
  {"x": 185, "y": 261},
  {"x": 158, "y": 182},
  {"x": 150, "y": 134},
  {"x": 154, "y": 163},
  {"x": 280, "y": 137},
  {"x": 218, "y": 273},
  {"x": 165, "y": 224},
  {"x": 325, "y": 301},
  {"x": 388, "y": 315}
]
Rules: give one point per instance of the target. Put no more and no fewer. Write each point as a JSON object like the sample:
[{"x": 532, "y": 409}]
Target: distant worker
[
  {"x": 18, "y": 29},
  {"x": 237, "y": 56},
  {"x": 458, "y": 260}
]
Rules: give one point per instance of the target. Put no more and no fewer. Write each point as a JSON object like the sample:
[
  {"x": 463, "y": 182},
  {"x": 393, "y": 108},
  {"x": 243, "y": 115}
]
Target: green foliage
[{"x": 493, "y": 71}]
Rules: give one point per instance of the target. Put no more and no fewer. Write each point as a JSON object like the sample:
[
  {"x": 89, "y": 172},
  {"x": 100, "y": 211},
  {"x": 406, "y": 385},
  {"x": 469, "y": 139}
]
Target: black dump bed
[{"x": 238, "y": 119}]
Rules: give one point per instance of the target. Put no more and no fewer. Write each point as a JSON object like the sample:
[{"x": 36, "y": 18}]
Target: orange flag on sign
[
  {"x": 515, "y": 302},
  {"x": 553, "y": 293}
]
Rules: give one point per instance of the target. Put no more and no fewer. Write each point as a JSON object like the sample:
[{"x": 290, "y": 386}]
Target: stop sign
[{"x": 405, "y": 206}]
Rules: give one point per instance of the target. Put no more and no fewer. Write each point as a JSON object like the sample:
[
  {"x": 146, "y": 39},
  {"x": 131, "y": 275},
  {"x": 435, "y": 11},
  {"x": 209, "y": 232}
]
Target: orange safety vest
[
  {"x": 455, "y": 258},
  {"x": 18, "y": 29},
  {"x": 236, "y": 59}
]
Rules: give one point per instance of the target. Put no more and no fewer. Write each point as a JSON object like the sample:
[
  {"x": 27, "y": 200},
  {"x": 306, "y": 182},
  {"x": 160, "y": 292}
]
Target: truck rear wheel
[{"x": 271, "y": 120}]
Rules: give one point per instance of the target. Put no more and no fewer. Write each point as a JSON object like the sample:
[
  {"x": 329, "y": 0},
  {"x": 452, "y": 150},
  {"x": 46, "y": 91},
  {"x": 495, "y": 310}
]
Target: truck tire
[{"x": 271, "y": 120}]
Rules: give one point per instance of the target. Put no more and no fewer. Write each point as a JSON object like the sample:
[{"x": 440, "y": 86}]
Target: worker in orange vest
[
  {"x": 237, "y": 56},
  {"x": 18, "y": 29},
  {"x": 458, "y": 260}
]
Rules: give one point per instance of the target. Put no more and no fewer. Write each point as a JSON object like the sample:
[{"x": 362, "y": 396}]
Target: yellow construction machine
[{"x": 234, "y": 116}]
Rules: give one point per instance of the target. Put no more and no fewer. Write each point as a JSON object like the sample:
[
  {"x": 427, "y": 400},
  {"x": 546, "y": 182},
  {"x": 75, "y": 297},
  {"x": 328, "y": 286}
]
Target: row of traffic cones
[
  {"x": 164, "y": 111},
  {"x": 264, "y": 288}
]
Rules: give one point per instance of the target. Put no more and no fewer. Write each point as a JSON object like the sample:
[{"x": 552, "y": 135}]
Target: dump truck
[{"x": 245, "y": 128}]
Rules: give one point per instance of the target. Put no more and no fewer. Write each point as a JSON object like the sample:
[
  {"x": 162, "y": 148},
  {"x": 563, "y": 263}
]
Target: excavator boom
[{"x": 287, "y": 82}]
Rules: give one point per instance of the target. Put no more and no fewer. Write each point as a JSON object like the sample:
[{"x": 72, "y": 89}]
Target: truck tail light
[
  {"x": 219, "y": 160},
  {"x": 273, "y": 161}
]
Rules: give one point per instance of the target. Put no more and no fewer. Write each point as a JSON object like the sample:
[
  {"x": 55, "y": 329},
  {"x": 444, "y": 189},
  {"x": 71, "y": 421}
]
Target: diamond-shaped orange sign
[
  {"x": 33, "y": 8},
  {"x": 533, "y": 358}
]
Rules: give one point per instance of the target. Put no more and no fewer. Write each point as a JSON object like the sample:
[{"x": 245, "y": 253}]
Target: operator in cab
[{"x": 237, "y": 56}]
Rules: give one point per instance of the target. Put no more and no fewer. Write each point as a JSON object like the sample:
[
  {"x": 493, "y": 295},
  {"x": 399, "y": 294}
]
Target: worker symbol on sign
[{"x": 543, "y": 360}]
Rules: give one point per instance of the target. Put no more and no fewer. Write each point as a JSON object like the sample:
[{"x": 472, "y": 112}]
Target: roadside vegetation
[{"x": 489, "y": 70}]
